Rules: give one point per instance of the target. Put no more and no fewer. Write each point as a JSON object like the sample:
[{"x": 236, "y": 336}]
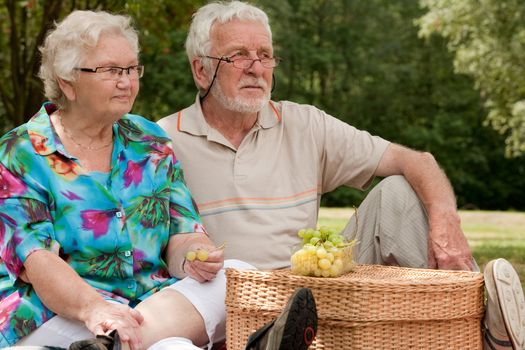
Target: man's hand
[
  {"x": 448, "y": 248},
  {"x": 203, "y": 271}
]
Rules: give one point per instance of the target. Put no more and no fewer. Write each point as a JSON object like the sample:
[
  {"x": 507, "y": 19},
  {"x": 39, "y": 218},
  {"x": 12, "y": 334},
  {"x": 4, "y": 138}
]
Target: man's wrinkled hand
[{"x": 448, "y": 248}]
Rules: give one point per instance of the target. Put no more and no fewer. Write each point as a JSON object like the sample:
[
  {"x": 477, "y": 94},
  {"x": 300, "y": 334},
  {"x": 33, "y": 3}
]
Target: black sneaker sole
[
  {"x": 301, "y": 323},
  {"x": 101, "y": 342}
]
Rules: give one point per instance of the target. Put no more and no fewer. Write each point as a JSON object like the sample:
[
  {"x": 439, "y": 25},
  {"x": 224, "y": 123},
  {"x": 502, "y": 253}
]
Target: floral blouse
[{"x": 112, "y": 229}]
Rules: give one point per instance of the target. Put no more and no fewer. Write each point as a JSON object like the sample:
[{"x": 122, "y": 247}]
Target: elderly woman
[{"x": 95, "y": 216}]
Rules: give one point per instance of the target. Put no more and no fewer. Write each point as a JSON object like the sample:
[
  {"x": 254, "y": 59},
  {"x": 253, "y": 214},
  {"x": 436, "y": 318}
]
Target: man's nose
[{"x": 256, "y": 65}]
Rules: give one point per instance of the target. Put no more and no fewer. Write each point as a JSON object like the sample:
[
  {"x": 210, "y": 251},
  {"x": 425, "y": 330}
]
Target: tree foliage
[
  {"x": 360, "y": 60},
  {"x": 24, "y": 24},
  {"x": 363, "y": 62},
  {"x": 488, "y": 39},
  {"x": 168, "y": 84}
]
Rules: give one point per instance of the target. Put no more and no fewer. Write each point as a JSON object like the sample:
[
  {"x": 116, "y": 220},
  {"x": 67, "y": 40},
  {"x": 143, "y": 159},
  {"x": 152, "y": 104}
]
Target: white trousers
[{"x": 208, "y": 298}]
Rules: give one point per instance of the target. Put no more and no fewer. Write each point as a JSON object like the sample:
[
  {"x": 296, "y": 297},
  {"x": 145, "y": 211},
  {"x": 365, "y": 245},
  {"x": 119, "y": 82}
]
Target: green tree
[
  {"x": 488, "y": 39},
  {"x": 168, "y": 84},
  {"x": 363, "y": 62},
  {"x": 162, "y": 28},
  {"x": 23, "y": 25},
  {"x": 360, "y": 60}
]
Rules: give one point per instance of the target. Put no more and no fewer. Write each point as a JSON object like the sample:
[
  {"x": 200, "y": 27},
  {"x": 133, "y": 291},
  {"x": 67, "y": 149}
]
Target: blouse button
[{"x": 118, "y": 214}]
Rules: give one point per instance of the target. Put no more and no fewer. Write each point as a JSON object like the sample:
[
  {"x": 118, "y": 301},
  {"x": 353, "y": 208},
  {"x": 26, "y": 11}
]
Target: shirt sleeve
[
  {"x": 348, "y": 156},
  {"x": 184, "y": 215},
  {"x": 25, "y": 222}
]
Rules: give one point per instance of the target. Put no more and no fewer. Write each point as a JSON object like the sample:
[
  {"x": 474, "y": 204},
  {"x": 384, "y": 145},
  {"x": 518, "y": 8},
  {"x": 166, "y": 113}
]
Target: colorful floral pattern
[{"x": 48, "y": 201}]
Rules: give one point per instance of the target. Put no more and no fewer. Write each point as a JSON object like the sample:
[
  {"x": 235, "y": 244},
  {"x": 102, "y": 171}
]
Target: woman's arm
[
  {"x": 187, "y": 233},
  {"x": 64, "y": 292}
]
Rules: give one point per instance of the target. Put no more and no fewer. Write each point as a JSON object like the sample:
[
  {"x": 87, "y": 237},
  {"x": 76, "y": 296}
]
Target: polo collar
[
  {"x": 191, "y": 119},
  {"x": 269, "y": 116}
]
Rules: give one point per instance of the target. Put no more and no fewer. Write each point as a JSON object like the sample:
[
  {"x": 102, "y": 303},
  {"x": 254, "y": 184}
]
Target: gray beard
[{"x": 237, "y": 104}]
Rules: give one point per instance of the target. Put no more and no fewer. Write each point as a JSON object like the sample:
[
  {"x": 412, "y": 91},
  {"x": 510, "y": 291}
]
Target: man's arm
[{"x": 448, "y": 246}]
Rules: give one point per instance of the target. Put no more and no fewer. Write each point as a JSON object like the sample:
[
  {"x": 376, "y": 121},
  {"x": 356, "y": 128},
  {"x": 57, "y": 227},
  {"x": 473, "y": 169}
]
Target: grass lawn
[{"x": 491, "y": 234}]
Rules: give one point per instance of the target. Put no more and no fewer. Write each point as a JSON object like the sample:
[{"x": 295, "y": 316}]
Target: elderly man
[{"x": 257, "y": 169}]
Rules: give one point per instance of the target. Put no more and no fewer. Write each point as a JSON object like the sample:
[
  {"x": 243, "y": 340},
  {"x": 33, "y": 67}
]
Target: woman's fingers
[
  {"x": 129, "y": 332},
  {"x": 136, "y": 315},
  {"x": 125, "y": 320},
  {"x": 195, "y": 273},
  {"x": 203, "y": 271}
]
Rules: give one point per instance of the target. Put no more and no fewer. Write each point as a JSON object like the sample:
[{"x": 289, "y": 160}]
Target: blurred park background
[
  {"x": 491, "y": 234},
  {"x": 444, "y": 76}
]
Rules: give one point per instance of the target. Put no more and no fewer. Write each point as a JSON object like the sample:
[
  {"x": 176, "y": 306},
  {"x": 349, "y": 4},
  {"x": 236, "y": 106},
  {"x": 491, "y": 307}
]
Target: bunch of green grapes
[{"x": 324, "y": 253}]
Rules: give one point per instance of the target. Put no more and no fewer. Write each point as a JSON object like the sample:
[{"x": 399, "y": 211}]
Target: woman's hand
[
  {"x": 203, "y": 271},
  {"x": 63, "y": 291},
  {"x": 199, "y": 270},
  {"x": 106, "y": 316}
]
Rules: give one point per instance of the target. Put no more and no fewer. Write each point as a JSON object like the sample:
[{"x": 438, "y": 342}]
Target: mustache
[{"x": 258, "y": 82}]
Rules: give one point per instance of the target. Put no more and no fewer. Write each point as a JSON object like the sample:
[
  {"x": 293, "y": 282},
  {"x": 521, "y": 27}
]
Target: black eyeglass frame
[
  {"x": 139, "y": 67},
  {"x": 226, "y": 59}
]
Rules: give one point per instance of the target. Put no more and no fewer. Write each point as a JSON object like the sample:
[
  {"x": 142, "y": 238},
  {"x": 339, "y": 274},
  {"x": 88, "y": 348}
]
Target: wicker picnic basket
[{"x": 373, "y": 307}]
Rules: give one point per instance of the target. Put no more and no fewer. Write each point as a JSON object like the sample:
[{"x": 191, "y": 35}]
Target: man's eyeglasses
[
  {"x": 115, "y": 73},
  {"x": 245, "y": 63}
]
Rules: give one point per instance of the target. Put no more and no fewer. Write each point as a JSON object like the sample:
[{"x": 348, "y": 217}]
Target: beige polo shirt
[{"x": 255, "y": 199}]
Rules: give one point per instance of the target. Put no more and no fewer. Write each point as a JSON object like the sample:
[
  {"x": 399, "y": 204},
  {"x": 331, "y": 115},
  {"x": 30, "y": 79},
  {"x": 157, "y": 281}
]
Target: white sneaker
[{"x": 504, "y": 322}]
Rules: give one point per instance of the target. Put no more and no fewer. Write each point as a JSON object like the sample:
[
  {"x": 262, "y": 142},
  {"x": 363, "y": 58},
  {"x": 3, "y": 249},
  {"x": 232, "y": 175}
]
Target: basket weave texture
[{"x": 373, "y": 307}]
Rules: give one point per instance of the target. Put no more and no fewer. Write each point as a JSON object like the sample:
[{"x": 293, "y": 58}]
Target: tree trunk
[{"x": 26, "y": 93}]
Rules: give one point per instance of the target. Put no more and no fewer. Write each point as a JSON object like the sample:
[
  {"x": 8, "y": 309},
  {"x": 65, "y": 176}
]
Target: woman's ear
[
  {"x": 200, "y": 75},
  {"x": 67, "y": 89}
]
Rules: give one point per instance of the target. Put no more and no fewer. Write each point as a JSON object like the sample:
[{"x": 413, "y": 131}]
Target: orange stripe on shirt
[
  {"x": 251, "y": 207},
  {"x": 254, "y": 200},
  {"x": 276, "y": 111},
  {"x": 178, "y": 120}
]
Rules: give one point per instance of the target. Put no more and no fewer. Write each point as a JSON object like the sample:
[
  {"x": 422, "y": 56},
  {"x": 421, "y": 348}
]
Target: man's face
[{"x": 242, "y": 90}]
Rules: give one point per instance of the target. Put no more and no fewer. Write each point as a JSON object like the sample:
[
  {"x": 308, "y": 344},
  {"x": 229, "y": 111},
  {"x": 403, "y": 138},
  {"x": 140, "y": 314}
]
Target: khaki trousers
[{"x": 391, "y": 226}]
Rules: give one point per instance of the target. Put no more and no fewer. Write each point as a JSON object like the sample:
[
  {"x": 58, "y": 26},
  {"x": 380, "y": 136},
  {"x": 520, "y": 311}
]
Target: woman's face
[{"x": 94, "y": 92}]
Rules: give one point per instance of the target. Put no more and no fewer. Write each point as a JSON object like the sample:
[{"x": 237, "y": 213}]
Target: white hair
[
  {"x": 65, "y": 46},
  {"x": 198, "y": 42}
]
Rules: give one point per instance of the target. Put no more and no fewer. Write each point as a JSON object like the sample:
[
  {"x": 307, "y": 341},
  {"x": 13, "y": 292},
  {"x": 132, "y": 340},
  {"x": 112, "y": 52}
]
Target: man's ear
[
  {"x": 200, "y": 75},
  {"x": 67, "y": 89}
]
